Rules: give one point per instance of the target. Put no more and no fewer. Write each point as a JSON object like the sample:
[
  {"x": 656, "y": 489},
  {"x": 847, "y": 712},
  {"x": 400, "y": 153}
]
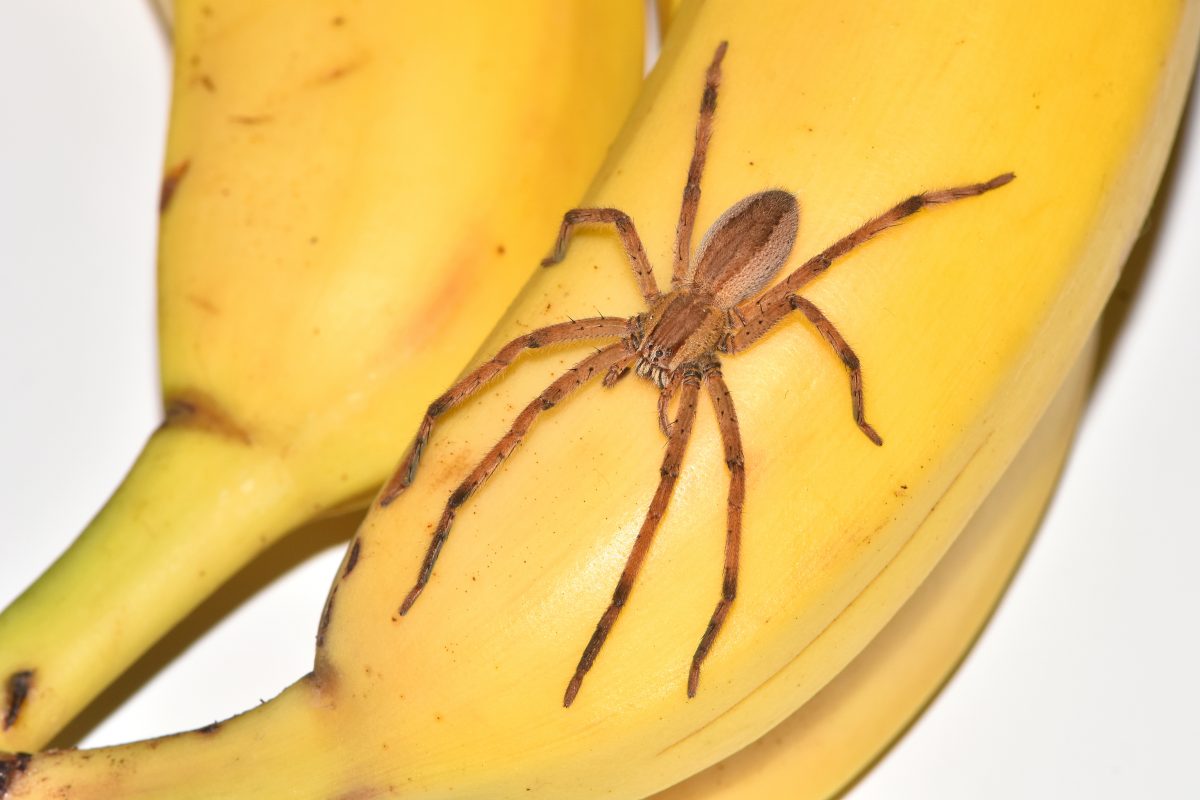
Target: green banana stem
[
  {"x": 283, "y": 749},
  {"x": 131, "y": 574}
]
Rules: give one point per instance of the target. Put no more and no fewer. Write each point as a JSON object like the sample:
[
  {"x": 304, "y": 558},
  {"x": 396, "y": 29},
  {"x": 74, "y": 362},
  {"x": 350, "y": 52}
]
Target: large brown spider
[{"x": 712, "y": 307}]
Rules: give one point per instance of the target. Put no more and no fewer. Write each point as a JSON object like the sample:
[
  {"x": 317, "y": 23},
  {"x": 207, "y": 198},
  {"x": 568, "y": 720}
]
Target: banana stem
[
  {"x": 193, "y": 497},
  {"x": 283, "y": 749}
]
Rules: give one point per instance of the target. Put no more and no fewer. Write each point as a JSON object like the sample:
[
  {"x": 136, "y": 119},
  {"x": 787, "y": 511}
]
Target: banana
[
  {"x": 966, "y": 319},
  {"x": 819, "y": 750},
  {"x": 351, "y": 197}
]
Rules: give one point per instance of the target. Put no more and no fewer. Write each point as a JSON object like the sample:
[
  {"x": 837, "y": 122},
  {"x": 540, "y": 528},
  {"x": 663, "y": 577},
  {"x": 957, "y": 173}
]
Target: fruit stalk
[
  {"x": 230, "y": 760},
  {"x": 136, "y": 570}
]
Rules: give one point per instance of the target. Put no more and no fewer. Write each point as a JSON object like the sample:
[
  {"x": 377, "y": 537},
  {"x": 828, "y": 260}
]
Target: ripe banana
[
  {"x": 819, "y": 750},
  {"x": 966, "y": 319},
  {"x": 352, "y": 195}
]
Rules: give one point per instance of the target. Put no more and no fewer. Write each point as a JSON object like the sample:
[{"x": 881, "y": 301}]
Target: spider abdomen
[{"x": 746, "y": 246}]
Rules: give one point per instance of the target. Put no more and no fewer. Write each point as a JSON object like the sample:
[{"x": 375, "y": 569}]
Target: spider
[{"x": 714, "y": 306}]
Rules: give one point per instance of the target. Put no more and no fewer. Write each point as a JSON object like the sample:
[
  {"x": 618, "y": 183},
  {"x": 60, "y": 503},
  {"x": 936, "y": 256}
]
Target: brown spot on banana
[
  {"x": 204, "y": 304},
  {"x": 459, "y": 273},
  {"x": 366, "y": 793},
  {"x": 10, "y": 767},
  {"x": 342, "y": 70},
  {"x": 352, "y": 559},
  {"x": 170, "y": 183},
  {"x": 326, "y": 616},
  {"x": 18, "y": 687},
  {"x": 251, "y": 119},
  {"x": 193, "y": 409},
  {"x": 327, "y": 612},
  {"x": 323, "y": 681}
]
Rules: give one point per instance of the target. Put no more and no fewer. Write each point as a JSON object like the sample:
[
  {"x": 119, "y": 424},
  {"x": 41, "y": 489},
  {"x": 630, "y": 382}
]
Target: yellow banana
[
  {"x": 352, "y": 195},
  {"x": 817, "y": 751},
  {"x": 966, "y": 319}
]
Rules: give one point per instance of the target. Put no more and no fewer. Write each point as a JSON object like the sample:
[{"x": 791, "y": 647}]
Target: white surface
[{"x": 1085, "y": 685}]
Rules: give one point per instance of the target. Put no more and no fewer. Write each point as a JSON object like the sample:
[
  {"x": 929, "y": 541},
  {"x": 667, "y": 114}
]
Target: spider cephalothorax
[
  {"x": 716, "y": 305},
  {"x": 741, "y": 252}
]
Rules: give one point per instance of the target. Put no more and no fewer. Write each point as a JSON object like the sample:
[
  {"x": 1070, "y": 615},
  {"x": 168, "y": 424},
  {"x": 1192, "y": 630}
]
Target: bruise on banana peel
[
  {"x": 198, "y": 411},
  {"x": 11, "y": 767},
  {"x": 16, "y": 694},
  {"x": 349, "y": 563},
  {"x": 170, "y": 184},
  {"x": 326, "y": 616},
  {"x": 251, "y": 119},
  {"x": 341, "y": 71},
  {"x": 352, "y": 558}
]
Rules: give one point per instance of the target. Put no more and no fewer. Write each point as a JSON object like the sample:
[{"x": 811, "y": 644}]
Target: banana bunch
[
  {"x": 336, "y": 237},
  {"x": 966, "y": 319}
]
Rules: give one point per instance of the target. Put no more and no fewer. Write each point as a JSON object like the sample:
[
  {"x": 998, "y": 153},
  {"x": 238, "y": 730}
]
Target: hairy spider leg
[
  {"x": 846, "y": 354},
  {"x": 751, "y": 309},
  {"x": 597, "y": 363},
  {"x": 629, "y": 238},
  {"x": 665, "y": 396},
  {"x": 745, "y": 336},
  {"x": 683, "y": 268},
  {"x": 680, "y": 433},
  {"x": 615, "y": 374},
  {"x": 589, "y": 328},
  {"x": 731, "y": 439}
]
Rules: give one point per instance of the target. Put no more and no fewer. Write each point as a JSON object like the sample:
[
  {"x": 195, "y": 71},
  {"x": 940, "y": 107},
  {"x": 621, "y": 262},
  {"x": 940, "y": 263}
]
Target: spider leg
[
  {"x": 764, "y": 318},
  {"x": 824, "y": 260},
  {"x": 629, "y": 239},
  {"x": 682, "y": 268},
  {"x": 595, "y": 364},
  {"x": 848, "y": 356},
  {"x": 591, "y": 328},
  {"x": 732, "y": 440},
  {"x": 615, "y": 373},
  {"x": 680, "y": 433},
  {"x": 665, "y": 395}
]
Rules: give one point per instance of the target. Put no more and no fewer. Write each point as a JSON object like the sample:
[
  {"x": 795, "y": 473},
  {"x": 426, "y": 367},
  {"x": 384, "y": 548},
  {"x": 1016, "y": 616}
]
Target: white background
[{"x": 1084, "y": 685}]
